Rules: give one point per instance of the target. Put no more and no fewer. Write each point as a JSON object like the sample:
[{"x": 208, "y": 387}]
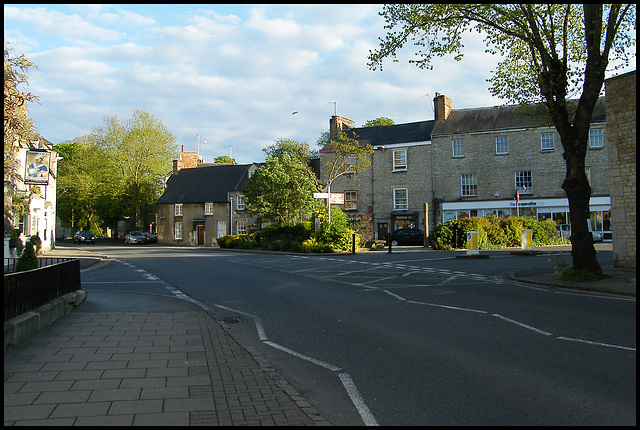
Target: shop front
[{"x": 556, "y": 209}]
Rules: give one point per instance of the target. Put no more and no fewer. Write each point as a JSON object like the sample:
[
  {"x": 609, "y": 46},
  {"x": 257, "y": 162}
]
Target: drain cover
[{"x": 234, "y": 320}]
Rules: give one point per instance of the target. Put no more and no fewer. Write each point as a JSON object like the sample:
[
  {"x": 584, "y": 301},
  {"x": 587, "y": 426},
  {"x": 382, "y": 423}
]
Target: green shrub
[{"x": 28, "y": 259}]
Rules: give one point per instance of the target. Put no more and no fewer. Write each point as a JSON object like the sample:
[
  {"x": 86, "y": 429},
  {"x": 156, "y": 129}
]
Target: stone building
[
  {"x": 621, "y": 124},
  {"x": 203, "y": 203},
  {"x": 470, "y": 162}
]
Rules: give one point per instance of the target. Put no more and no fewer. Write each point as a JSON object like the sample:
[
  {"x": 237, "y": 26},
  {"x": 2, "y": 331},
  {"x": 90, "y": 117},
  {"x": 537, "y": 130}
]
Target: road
[{"x": 415, "y": 337}]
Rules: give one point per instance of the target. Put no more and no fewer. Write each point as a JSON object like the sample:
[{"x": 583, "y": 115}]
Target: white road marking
[
  {"x": 595, "y": 343},
  {"x": 528, "y": 327},
  {"x": 303, "y": 357},
  {"x": 356, "y": 398}
]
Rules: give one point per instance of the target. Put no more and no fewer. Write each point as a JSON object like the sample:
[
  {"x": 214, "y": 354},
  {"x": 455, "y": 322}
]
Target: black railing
[
  {"x": 11, "y": 262},
  {"x": 26, "y": 291}
]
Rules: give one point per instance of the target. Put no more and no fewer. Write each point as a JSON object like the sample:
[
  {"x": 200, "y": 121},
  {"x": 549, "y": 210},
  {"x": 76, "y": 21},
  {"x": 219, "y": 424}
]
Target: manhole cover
[{"x": 234, "y": 320}]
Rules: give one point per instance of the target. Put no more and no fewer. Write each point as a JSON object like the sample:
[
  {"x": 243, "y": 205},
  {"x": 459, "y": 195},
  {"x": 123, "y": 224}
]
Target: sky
[{"x": 229, "y": 76}]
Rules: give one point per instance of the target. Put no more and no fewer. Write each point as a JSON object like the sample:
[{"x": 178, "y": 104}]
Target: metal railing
[
  {"x": 11, "y": 262},
  {"x": 28, "y": 290}
]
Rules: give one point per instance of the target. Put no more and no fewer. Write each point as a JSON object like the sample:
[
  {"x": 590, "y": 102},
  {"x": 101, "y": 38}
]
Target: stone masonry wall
[{"x": 621, "y": 119}]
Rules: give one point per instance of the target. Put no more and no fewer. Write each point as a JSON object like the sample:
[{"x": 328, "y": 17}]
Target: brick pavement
[{"x": 145, "y": 368}]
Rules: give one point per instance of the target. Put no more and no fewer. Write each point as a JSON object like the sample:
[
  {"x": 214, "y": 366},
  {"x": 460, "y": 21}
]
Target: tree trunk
[{"x": 578, "y": 192}]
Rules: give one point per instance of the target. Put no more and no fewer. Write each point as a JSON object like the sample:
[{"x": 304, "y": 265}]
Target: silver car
[{"x": 135, "y": 237}]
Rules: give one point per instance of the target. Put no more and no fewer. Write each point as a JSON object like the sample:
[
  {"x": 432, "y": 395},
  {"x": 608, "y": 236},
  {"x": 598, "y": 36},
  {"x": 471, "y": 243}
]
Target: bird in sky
[{"x": 294, "y": 113}]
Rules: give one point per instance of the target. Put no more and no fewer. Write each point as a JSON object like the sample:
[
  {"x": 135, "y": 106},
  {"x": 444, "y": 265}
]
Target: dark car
[
  {"x": 84, "y": 237},
  {"x": 151, "y": 237},
  {"x": 407, "y": 236}
]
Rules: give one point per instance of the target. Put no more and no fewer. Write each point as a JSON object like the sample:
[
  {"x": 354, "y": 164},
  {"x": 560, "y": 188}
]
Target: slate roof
[
  {"x": 205, "y": 184},
  {"x": 389, "y": 134},
  {"x": 501, "y": 118}
]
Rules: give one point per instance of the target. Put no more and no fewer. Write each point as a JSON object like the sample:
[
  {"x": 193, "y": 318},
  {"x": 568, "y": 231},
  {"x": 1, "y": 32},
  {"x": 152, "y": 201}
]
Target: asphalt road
[{"x": 410, "y": 338}]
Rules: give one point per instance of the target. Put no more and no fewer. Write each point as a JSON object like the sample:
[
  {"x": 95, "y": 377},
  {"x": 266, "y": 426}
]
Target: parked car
[
  {"x": 135, "y": 237},
  {"x": 407, "y": 236},
  {"x": 151, "y": 237},
  {"x": 564, "y": 230},
  {"x": 84, "y": 237}
]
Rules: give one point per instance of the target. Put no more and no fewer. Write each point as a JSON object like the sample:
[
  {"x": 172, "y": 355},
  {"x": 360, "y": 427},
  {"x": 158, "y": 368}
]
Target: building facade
[
  {"x": 203, "y": 203},
  {"x": 36, "y": 185},
  {"x": 471, "y": 162},
  {"x": 621, "y": 124}
]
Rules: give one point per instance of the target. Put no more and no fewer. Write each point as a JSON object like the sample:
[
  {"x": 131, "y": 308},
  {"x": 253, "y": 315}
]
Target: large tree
[
  {"x": 549, "y": 54},
  {"x": 281, "y": 191},
  {"x": 141, "y": 148}
]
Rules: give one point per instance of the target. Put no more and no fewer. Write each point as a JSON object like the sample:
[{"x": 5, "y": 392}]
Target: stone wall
[{"x": 621, "y": 121}]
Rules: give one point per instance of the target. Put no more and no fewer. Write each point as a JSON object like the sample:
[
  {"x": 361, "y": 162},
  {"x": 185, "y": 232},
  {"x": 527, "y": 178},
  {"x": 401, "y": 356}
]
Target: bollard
[
  {"x": 472, "y": 243},
  {"x": 527, "y": 242}
]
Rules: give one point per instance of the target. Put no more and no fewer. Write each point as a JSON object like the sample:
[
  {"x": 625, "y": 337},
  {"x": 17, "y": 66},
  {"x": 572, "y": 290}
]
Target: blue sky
[{"x": 231, "y": 73}]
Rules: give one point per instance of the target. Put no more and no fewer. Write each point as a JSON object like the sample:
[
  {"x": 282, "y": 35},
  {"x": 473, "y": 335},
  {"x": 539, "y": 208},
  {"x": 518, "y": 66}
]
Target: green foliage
[
  {"x": 338, "y": 235},
  {"x": 28, "y": 259},
  {"x": 285, "y": 237},
  {"x": 15, "y": 242},
  {"x": 224, "y": 159},
  {"x": 242, "y": 241},
  {"x": 494, "y": 233},
  {"x": 281, "y": 191},
  {"x": 379, "y": 122}
]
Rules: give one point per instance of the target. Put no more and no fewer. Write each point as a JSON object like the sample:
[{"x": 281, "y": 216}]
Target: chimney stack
[
  {"x": 442, "y": 106},
  {"x": 337, "y": 124}
]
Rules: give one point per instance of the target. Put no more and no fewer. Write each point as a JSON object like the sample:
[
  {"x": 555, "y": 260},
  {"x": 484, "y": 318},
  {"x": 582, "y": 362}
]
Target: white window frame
[
  {"x": 208, "y": 208},
  {"x": 400, "y": 163},
  {"x": 240, "y": 205},
  {"x": 457, "y": 148},
  {"x": 547, "y": 142},
  {"x": 522, "y": 179},
  {"x": 400, "y": 203},
  {"x": 177, "y": 230},
  {"x": 177, "y": 209},
  {"x": 468, "y": 183},
  {"x": 596, "y": 138},
  {"x": 241, "y": 227},
  {"x": 502, "y": 145}
]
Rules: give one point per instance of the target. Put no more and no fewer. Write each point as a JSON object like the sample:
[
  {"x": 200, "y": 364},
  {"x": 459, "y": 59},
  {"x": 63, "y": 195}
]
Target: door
[{"x": 200, "y": 234}]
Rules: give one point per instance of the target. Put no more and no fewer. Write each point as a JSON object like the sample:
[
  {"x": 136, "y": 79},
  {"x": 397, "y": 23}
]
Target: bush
[
  {"x": 28, "y": 259},
  {"x": 494, "y": 232}
]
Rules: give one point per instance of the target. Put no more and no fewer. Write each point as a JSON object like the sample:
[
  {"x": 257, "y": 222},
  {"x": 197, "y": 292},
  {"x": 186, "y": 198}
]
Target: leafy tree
[
  {"x": 347, "y": 156},
  {"x": 379, "y": 122},
  {"x": 281, "y": 191},
  {"x": 224, "y": 159},
  {"x": 87, "y": 182},
  {"x": 298, "y": 151},
  {"x": 550, "y": 52},
  {"x": 141, "y": 148},
  {"x": 17, "y": 126}
]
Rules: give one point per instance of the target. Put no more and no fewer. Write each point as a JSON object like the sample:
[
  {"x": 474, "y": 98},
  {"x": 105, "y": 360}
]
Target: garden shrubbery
[
  {"x": 300, "y": 237},
  {"x": 494, "y": 233}
]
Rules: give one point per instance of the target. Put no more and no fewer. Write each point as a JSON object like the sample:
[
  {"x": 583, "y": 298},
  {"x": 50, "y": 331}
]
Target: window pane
[
  {"x": 400, "y": 199},
  {"x": 502, "y": 145},
  {"x": 546, "y": 141},
  {"x": 523, "y": 182},
  {"x": 468, "y": 185},
  {"x": 400, "y": 159},
  {"x": 458, "y": 148},
  {"x": 595, "y": 138}
]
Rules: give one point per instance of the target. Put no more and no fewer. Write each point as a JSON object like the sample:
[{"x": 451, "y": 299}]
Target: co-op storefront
[{"x": 556, "y": 209}]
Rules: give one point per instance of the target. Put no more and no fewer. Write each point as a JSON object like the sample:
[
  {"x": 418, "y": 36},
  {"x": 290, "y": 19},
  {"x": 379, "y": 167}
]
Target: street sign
[
  {"x": 336, "y": 198},
  {"x": 320, "y": 195}
]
